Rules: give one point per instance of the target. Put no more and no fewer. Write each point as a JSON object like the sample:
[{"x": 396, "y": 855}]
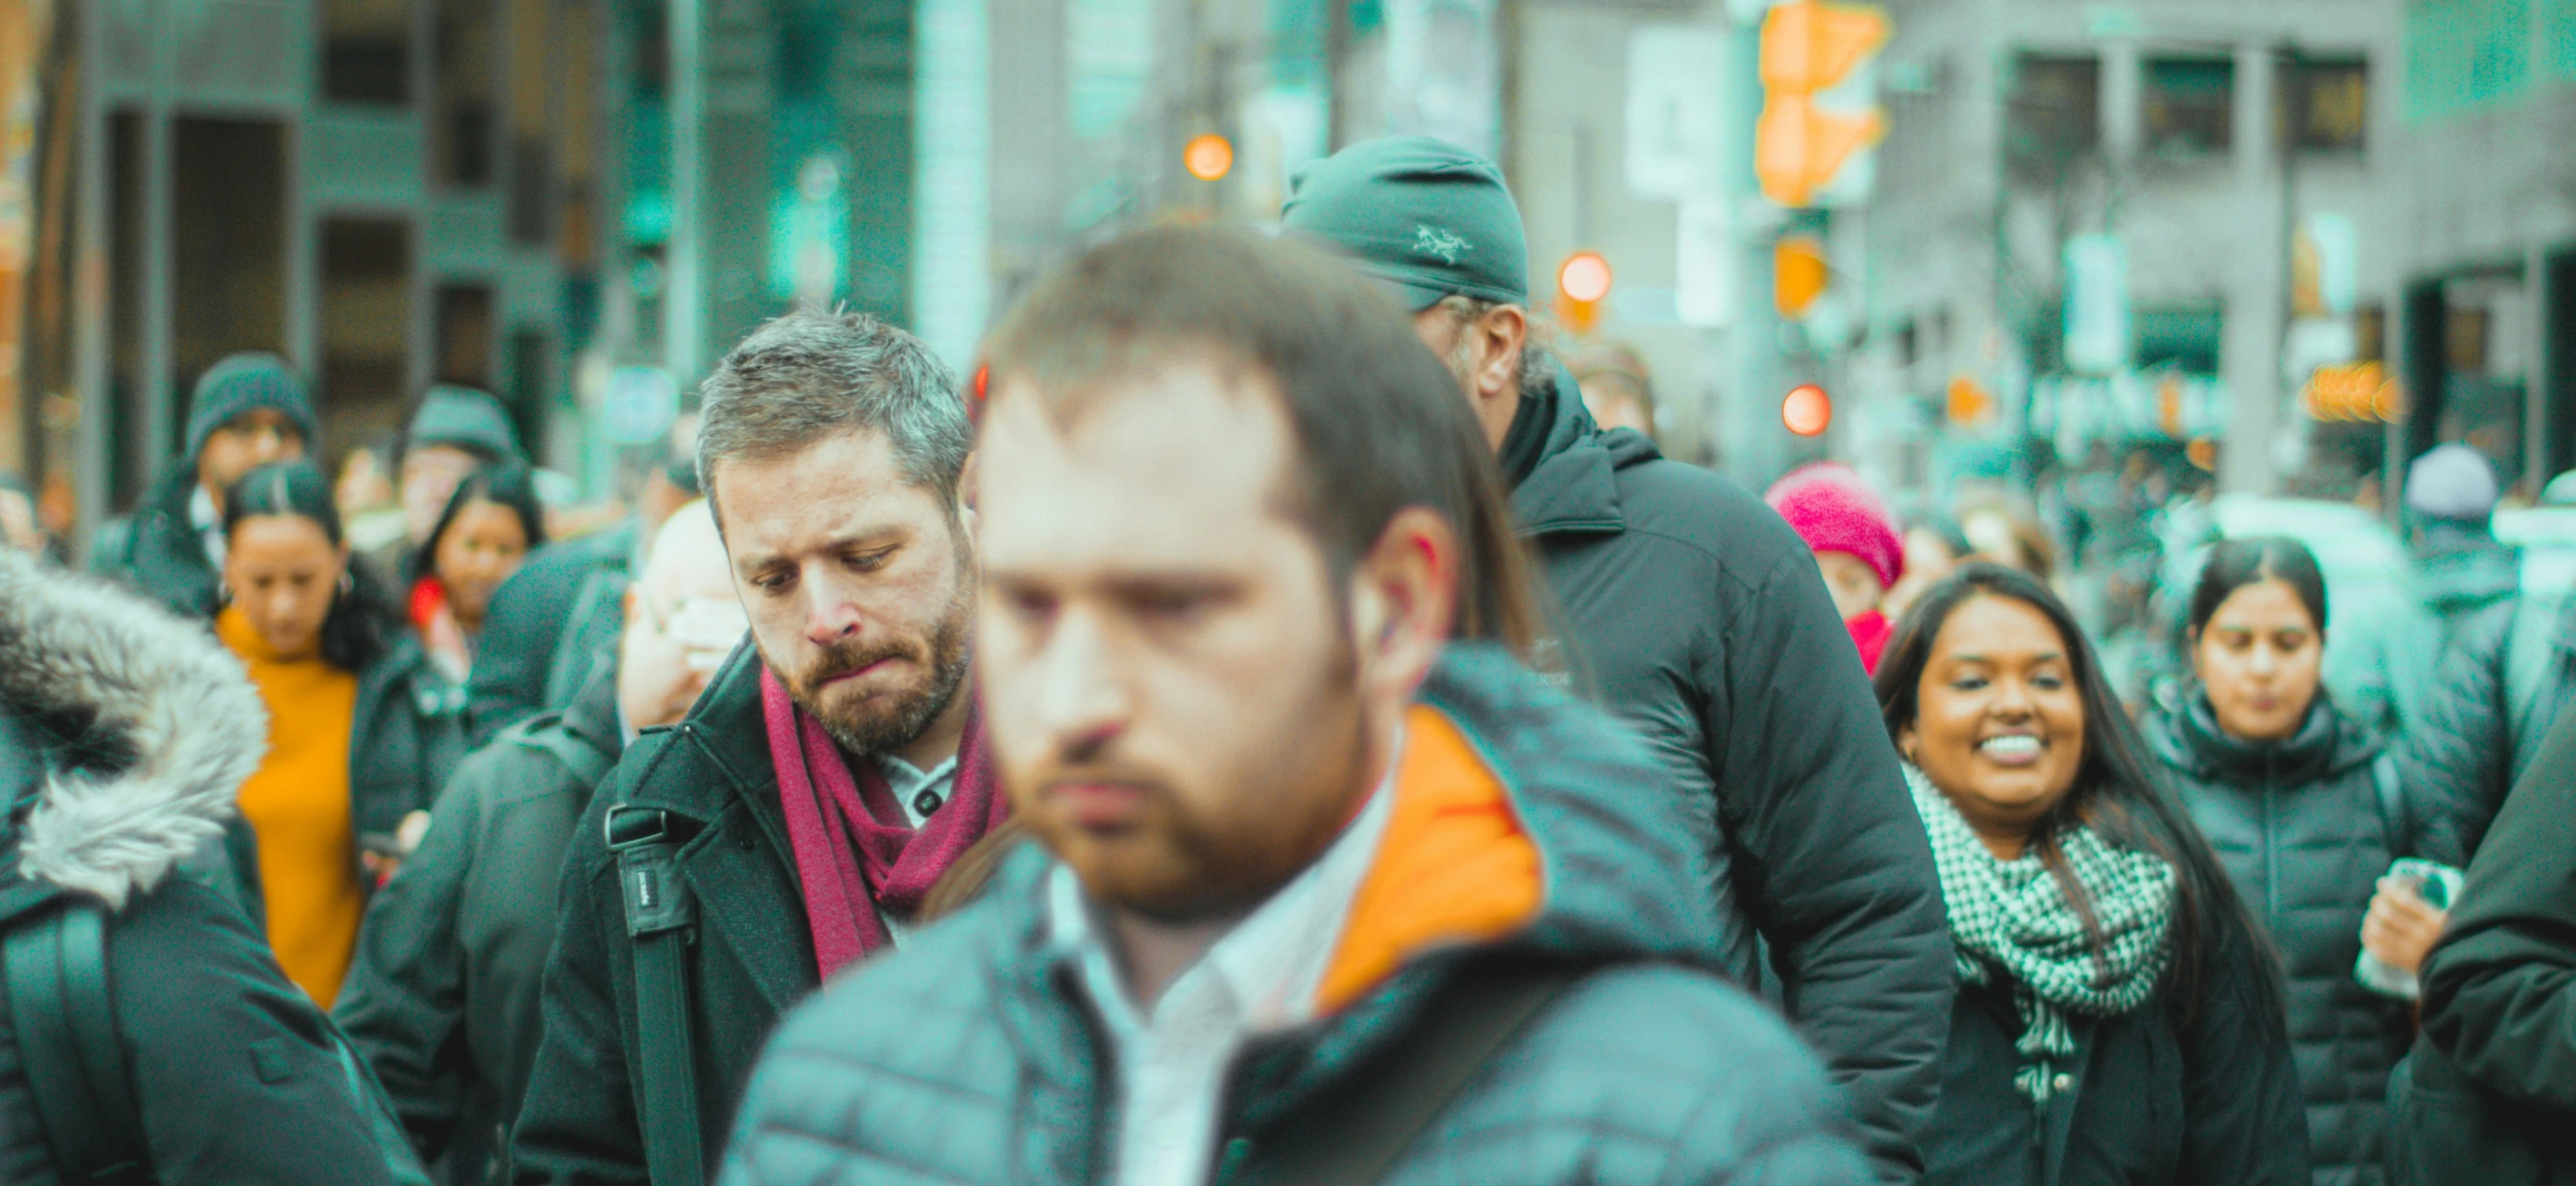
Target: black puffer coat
[{"x": 2303, "y": 830}]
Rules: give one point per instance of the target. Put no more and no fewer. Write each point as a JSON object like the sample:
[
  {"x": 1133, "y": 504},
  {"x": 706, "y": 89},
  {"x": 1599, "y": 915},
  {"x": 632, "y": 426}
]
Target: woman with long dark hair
[
  {"x": 361, "y": 730},
  {"x": 2306, "y": 812},
  {"x": 490, "y": 525},
  {"x": 2118, "y": 1018}
]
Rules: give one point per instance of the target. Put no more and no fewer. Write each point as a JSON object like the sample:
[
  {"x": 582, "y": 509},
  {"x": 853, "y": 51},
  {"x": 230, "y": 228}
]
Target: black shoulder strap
[
  {"x": 1354, "y": 1137},
  {"x": 65, "y": 1023},
  {"x": 661, "y": 916}
]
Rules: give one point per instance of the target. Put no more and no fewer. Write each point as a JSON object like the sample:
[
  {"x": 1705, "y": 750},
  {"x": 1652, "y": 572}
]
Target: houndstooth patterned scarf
[{"x": 2013, "y": 917}]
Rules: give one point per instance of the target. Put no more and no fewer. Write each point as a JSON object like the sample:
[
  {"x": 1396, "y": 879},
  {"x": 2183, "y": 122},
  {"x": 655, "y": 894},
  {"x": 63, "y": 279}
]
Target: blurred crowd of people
[{"x": 1277, "y": 722}]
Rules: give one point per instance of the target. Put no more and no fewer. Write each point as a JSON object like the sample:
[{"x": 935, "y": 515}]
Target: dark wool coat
[
  {"x": 1695, "y": 615},
  {"x": 442, "y": 999},
  {"x": 2300, "y": 825},
  {"x": 752, "y": 958},
  {"x": 2489, "y": 1098},
  {"x": 233, "y": 1071},
  {"x": 972, "y": 1058}
]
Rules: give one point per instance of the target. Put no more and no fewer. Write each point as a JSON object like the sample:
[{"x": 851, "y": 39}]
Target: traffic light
[
  {"x": 1798, "y": 274},
  {"x": 1807, "y": 411},
  {"x": 1820, "y": 115},
  {"x": 1209, "y": 157},
  {"x": 1582, "y": 283}
]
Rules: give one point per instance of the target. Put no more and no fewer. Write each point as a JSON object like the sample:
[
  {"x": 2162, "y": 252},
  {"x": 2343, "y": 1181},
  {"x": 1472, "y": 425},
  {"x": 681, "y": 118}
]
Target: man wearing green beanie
[
  {"x": 248, "y": 410},
  {"x": 1696, "y": 615}
]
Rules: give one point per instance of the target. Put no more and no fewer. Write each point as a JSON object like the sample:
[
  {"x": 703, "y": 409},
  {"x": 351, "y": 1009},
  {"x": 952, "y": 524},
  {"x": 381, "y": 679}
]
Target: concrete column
[
  {"x": 682, "y": 275},
  {"x": 89, "y": 288},
  {"x": 2123, "y": 102},
  {"x": 2536, "y": 377},
  {"x": 2257, "y": 293},
  {"x": 160, "y": 415}
]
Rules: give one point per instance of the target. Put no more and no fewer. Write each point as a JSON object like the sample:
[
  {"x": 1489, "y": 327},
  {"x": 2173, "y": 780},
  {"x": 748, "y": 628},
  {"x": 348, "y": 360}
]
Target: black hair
[
  {"x": 359, "y": 628},
  {"x": 2236, "y": 563},
  {"x": 508, "y": 482},
  {"x": 1943, "y": 527},
  {"x": 2116, "y": 793}
]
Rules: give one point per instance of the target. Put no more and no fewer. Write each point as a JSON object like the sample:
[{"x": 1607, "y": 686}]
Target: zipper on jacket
[{"x": 2271, "y": 846}]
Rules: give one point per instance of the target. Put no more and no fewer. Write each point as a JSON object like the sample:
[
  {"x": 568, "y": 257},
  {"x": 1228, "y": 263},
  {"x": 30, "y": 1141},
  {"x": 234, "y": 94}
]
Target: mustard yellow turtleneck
[{"x": 298, "y": 806}]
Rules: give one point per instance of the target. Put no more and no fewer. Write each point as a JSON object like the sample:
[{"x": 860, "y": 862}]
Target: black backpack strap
[
  {"x": 74, "y": 1060},
  {"x": 661, "y": 917},
  {"x": 1354, "y": 1137}
]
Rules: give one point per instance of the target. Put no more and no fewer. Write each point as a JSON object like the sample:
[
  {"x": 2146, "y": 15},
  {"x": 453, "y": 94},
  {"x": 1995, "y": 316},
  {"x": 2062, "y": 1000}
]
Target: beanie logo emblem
[{"x": 1430, "y": 241}]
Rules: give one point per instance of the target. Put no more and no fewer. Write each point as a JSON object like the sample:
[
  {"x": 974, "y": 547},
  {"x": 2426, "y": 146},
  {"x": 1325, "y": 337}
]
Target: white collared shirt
[
  {"x": 921, "y": 792},
  {"x": 209, "y": 523},
  {"x": 1260, "y": 978}
]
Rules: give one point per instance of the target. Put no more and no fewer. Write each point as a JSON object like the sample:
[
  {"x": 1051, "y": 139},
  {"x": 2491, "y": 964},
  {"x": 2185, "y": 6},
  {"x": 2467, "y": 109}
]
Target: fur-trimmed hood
[{"x": 162, "y": 689}]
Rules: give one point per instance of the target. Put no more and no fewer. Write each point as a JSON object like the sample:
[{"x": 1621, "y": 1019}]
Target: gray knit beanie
[
  {"x": 466, "y": 418},
  {"x": 244, "y": 382},
  {"x": 2453, "y": 481}
]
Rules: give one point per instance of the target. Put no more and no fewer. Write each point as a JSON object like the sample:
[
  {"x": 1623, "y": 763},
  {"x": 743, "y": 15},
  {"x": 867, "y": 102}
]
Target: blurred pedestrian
[
  {"x": 369, "y": 509},
  {"x": 2489, "y": 1096},
  {"x": 555, "y": 622},
  {"x": 1855, "y": 544},
  {"x": 442, "y": 1002},
  {"x": 490, "y": 524},
  {"x": 248, "y": 410},
  {"x": 20, "y": 527},
  {"x": 2009, "y": 535},
  {"x": 824, "y": 781},
  {"x": 1691, "y": 611},
  {"x": 1617, "y": 388},
  {"x": 451, "y": 432},
  {"x": 2120, "y": 1019},
  {"x": 2305, "y": 810},
  {"x": 2462, "y": 572},
  {"x": 1934, "y": 547},
  {"x": 1298, "y": 840},
  {"x": 361, "y": 730},
  {"x": 124, "y": 733}
]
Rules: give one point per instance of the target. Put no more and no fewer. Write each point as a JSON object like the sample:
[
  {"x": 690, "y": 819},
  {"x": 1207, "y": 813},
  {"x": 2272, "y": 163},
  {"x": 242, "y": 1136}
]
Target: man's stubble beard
[{"x": 908, "y": 712}]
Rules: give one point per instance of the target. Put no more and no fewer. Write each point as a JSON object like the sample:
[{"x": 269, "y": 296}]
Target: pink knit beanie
[{"x": 1834, "y": 511}]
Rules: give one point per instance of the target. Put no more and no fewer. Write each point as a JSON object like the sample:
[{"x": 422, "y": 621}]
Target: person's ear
[
  {"x": 1505, "y": 330},
  {"x": 630, "y": 601},
  {"x": 1403, "y": 597},
  {"x": 967, "y": 480},
  {"x": 1906, "y": 744}
]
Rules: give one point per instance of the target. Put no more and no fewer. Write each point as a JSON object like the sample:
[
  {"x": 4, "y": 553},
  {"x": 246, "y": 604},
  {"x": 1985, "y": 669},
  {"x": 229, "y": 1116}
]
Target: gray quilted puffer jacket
[{"x": 973, "y": 1057}]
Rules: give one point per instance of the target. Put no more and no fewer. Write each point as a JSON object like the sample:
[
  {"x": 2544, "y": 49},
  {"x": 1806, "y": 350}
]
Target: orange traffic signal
[
  {"x": 1807, "y": 411},
  {"x": 1799, "y": 274},
  {"x": 1582, "y": 283},
  {"x": 1209, "y": 157},
  {"x": 1815, "y": 120}
]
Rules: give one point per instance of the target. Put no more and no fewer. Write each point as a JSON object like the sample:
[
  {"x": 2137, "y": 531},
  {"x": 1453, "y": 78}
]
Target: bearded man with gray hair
[{"x": 830, "y": 772}]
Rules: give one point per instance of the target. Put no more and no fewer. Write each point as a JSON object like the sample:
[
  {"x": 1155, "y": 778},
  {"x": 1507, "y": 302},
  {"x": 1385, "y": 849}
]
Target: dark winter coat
[
  {"x": 1696, "y": 615},
  {"x": 532, "y": 618},
  {"x": 972, "y": 1057},
  {"x": 405, "y": 739},
  {"x": 753, "y": 955},
  {"x": 157, "y": 552},
  {"x": 2150, "y": 1101},
  {"x": 2467, "y": 749},
  {"x": 442, "y": 999},
  {"x": 2489, "y": 1097},
  {"x": 2303, "y": 832},
  {"x": 2461, "y": 573},
  {"x": 233, "y": 1071}
]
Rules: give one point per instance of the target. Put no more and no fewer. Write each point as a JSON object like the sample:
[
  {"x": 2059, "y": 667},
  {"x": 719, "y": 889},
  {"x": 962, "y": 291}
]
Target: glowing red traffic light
[{"x": 1807, "y": 410}]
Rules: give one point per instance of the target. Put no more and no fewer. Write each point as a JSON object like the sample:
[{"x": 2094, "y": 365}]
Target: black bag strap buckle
[{"x": 647, "y": 844}]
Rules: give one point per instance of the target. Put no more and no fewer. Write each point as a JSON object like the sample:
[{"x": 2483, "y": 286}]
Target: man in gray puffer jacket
[{"x": 1301, "y": 829}]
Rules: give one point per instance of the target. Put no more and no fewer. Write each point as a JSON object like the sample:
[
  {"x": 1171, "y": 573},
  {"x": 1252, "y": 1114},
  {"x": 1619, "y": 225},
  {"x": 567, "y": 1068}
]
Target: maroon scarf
[{"x": 847, "y": 855}]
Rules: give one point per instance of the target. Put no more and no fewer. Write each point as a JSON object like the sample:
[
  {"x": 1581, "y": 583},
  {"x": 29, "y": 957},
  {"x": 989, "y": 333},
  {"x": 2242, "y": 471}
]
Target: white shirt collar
[{"x": 208, "y": 521}]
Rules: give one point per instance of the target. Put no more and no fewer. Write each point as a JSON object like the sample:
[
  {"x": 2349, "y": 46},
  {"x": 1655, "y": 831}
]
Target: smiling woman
[{"x": 2118, "y": 1010}]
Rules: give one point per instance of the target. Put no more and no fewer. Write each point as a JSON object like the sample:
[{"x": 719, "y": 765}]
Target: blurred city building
[{"x": 1950, "y": 240}]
